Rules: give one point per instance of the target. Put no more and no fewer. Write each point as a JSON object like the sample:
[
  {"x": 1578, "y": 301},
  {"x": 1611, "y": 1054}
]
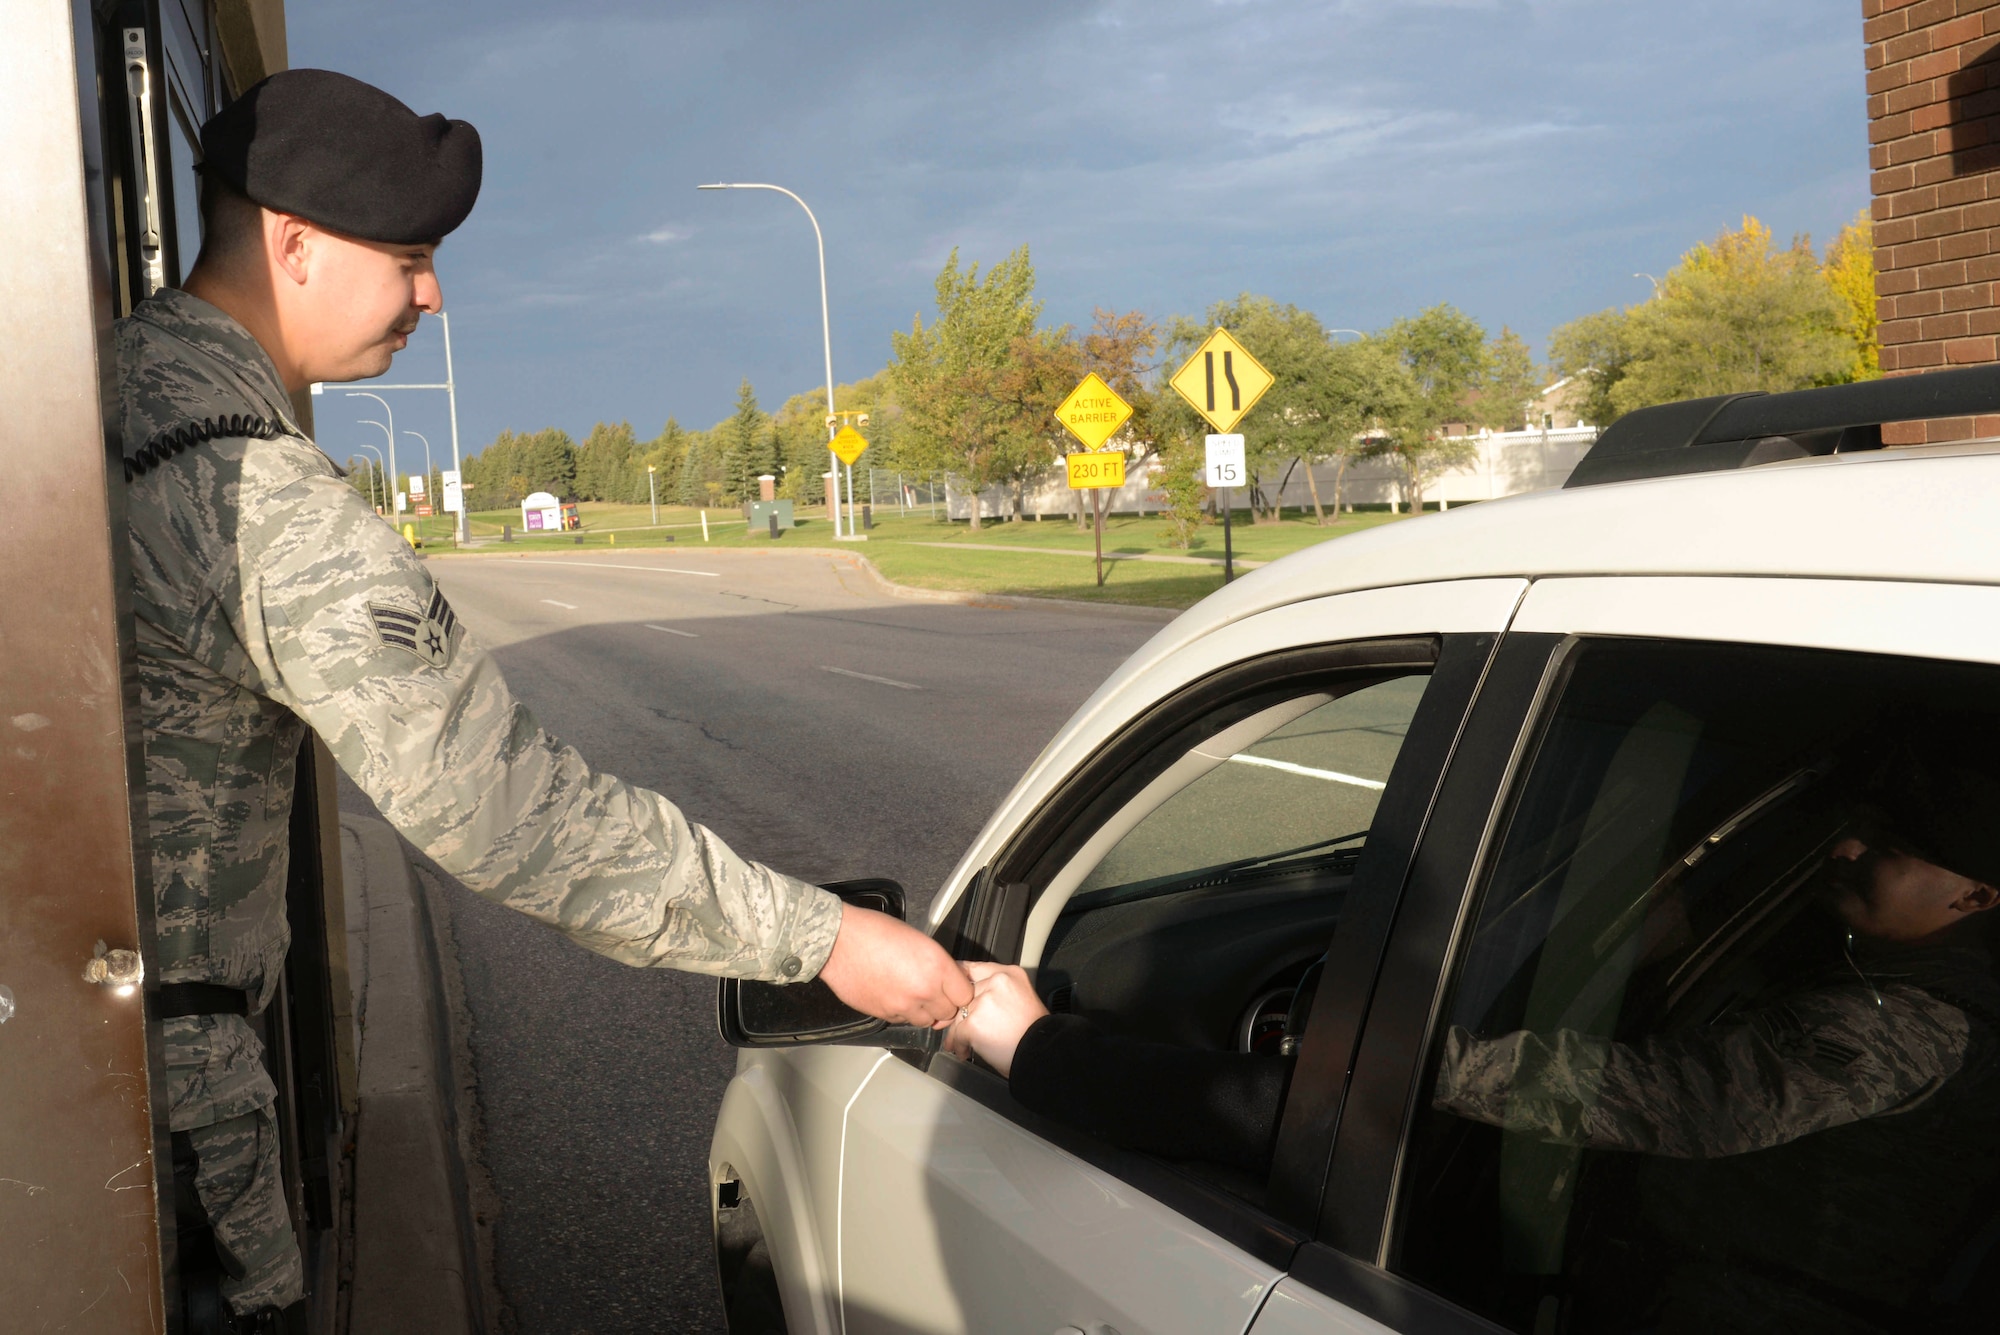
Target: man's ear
[
  {"x": 288, "y": 240},
  {"x": 1978, "y": 899}
]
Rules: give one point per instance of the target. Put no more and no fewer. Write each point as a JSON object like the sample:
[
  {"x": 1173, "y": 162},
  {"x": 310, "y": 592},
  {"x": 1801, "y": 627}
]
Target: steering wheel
[{"x": 1276, "y": 1020}]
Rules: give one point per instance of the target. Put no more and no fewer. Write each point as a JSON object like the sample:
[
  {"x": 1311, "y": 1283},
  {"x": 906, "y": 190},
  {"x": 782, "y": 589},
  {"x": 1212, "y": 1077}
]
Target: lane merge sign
[
  {"x": 1222, "y": 381},
  {"x": 1093, "y": 412},
  {"x": 848, "y": 445},
  {"x": 1226, "y": 465}
]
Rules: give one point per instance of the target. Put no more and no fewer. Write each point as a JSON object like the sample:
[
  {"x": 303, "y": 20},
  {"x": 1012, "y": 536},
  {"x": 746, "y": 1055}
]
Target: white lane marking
[
  {"x": 553, "y": 603},
  {"x": 863, "y": 676},
  {"x": 1311, "y": 773},
  {"x": 603, "y": 565},
  {"x": 671, "y": 631}
]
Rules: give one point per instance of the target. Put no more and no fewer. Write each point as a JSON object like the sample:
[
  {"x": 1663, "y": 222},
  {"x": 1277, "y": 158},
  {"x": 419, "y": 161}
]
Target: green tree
[
  {"x": 943, "y": 374},
  {"x": 1181, "y": 484},
  {"x": 1512, "y": 380},
  {"x": 749, "y": 450},
  {"x": 1595, "y": 349},
  {"x": 664, "y": 455},
  {"x": 606, "y": 465},
  {"x": 1850, "y": 272},
  {"x": 700, "y": 467},
  {"x": 1444, "y": 355},
  {"x": 1733, "y": 315},
  {"x": 517, "y": 463}
]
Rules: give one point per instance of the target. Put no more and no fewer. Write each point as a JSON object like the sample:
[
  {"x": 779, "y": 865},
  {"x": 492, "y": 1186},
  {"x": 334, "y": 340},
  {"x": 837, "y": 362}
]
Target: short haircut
[{"x": 232, "y": 224}]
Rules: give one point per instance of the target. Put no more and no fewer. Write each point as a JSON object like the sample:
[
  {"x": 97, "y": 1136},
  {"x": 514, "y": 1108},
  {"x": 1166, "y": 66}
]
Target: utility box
[{"x": 759, "y": 514}]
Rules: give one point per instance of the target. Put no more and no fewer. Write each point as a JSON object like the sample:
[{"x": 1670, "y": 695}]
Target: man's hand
[
  {"x": 894, "y": 972},
  {"x": 1003, "y": 1005}
]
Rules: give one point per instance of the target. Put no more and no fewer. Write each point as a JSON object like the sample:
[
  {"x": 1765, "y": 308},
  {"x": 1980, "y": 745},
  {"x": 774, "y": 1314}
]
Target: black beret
[
  {"x": 1943, "y": 800},
  {"x": 347, "y": 156}
]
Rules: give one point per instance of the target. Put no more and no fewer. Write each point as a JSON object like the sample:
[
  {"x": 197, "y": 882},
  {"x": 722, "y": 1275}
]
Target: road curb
[
  {"x": 908, "y": 592},
  {"x": 414, "y": 1264}
]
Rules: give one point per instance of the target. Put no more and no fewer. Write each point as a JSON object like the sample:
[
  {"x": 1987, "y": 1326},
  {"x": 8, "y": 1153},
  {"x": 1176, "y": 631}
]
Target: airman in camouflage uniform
[
  {"x": 1815, "y": 1157},
  {"x": 270, "y": 598}
]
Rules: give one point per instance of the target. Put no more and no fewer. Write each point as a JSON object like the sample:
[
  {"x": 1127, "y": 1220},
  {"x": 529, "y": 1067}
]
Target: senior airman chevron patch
[{"x": 429, "y": 636}]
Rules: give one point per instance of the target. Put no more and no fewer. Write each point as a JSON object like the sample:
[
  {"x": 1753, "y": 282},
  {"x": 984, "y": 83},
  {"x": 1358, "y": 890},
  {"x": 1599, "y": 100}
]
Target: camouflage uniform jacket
[
  {"x": 270, "y": 598},
  {"x": 1822, "y": 1058}
]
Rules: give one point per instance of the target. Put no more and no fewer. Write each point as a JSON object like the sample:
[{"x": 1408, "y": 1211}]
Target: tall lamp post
[
  {"x": 427, "y": 470},
  {"x": 653, "y": 494},
  {"x": 394, "y": 481},
  {"x": 826, "y": 337},
  {"x": 374, "y": 490},
  {"x": 378, "y": 463}
]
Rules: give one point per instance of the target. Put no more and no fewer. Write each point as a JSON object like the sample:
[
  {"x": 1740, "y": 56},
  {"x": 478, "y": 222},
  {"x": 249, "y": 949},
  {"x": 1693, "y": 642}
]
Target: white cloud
[{"x": 661, "y": 236}]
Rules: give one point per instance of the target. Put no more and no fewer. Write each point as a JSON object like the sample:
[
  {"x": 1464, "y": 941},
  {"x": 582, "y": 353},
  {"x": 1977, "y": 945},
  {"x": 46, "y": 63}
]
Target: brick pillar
[{"x": 1934, "y": 137}]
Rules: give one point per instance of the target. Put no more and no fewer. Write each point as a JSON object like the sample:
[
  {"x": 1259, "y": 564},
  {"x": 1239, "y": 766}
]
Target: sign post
[
  {"x": 1092, "y": 413},
  {"x": 847, "y": 446},
  {"x": 1225, "y": 473},
  {"x": 1223, "y": 382}
]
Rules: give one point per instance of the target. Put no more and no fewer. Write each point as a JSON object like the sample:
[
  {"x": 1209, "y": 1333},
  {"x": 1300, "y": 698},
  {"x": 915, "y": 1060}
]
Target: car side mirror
[{"x": 754, "y": 1014}]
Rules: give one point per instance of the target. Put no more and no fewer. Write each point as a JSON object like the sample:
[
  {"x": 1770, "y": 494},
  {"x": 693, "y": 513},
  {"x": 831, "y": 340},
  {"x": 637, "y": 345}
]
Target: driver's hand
[
  {"x": 889, "y": 969},
  {"x": 1003, "y": 1005}
]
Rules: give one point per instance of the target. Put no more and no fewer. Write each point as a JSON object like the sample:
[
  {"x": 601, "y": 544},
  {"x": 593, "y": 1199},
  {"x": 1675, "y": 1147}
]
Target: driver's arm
[
  {"x": 1816, "y": 1061},
  {"x": 1177, "y": 1102}
]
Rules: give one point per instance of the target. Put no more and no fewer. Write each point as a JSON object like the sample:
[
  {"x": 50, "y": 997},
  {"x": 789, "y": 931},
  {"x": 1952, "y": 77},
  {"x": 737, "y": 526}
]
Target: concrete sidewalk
[{"x": 414, "y": 1264}]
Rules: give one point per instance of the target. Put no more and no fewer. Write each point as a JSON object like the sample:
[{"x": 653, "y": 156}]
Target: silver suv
[{"x": 1552, "y": 845}]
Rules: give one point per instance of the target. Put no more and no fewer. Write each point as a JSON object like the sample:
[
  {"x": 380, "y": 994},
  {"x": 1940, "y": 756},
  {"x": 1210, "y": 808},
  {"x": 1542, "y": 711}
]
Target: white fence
[{"x": 1505, "y": 463}]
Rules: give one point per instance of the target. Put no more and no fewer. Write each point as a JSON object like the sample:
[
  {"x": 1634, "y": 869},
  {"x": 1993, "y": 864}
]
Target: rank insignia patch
[{"x": 427, "y": 636}]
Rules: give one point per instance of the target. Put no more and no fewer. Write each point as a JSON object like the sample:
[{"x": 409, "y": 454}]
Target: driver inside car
[{"x": 1822, "y": 1149}]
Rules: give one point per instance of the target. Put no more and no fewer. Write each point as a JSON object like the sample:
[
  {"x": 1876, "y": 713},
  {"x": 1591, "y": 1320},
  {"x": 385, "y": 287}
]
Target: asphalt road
[{"x": 815, "y": 724}]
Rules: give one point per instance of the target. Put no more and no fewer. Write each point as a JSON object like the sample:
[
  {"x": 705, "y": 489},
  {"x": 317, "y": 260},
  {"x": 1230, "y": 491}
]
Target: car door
[
  {"x": 1255, "y": 815},
  {"x": 1630, "y": 940}
]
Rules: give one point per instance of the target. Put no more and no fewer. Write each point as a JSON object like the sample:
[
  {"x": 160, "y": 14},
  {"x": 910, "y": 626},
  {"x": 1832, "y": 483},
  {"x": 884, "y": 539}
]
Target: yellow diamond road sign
[
  {"x": 1222, "y": 381},
  {"x": 848, "y": 445},
  {"x": 1093, "y": 412}
]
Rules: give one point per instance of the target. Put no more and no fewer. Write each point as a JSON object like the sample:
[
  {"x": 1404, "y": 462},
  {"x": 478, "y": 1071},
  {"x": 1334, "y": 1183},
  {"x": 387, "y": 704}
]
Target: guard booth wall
[{"x": 103, "y": 100}]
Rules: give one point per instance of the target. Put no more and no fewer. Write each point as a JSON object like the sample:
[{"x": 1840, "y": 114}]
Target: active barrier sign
[{"x": 1092, "y": 413}]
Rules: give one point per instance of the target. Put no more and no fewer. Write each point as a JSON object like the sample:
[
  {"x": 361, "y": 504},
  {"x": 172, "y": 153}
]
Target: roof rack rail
[{"x": 1744, "y": 430}]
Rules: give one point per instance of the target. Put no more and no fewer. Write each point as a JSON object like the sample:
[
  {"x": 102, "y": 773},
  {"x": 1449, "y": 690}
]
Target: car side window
[
  {"x": 1197, "y": 924},
  {"x": 1721, "y": 1046},
  {"x": 1311, "y": 783}
]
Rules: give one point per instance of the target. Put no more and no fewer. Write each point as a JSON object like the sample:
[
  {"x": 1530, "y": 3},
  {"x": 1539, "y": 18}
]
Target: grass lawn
[{"x": 1038, "y": 559}]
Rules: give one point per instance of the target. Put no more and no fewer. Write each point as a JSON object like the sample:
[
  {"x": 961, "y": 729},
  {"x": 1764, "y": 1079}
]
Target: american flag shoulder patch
[{"x": 428, "y": 636}]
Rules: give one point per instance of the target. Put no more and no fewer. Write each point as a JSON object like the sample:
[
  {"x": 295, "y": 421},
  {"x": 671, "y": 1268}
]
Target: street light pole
[
  {"x": 391, "y": 429},
  {"x": 374, "y": 482},
  {"x": 427, "y": 470},
  {"x": 653, "y": 494},
  {"x": 826, "y": 338},
  {"x": 457, "y": 464}
]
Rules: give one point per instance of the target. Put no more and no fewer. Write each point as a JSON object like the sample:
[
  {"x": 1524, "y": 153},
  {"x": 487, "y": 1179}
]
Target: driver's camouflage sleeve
[
  {"x": 269, "y": 598},
  {"x": 1814, "y": 1061}
]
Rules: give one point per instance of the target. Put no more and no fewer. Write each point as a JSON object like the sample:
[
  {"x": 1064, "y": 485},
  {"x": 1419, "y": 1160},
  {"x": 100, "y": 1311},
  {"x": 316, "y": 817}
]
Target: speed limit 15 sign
[{"x": 1225, "y": 461}]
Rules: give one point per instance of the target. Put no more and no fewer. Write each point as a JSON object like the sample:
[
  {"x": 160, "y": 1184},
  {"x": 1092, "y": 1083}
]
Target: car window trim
[
  {"x": 1311, "y": 1114},
  {"x": 988, "y": 920},
  {"x": 1501, "y": 731},
  {"x": 1380, "y": 1295}
]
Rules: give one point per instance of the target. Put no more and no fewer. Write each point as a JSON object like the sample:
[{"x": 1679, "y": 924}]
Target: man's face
[
  {"x": 359, "y": 304},
  {"x": 1895, "y": 896}
]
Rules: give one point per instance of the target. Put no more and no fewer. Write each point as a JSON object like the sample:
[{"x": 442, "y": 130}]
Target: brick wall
[{"x": 1934, "y": 142}]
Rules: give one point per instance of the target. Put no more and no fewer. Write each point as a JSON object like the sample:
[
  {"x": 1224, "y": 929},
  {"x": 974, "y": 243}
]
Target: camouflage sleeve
[
  {"x": 349, "y": 631},
  {"x": 1816, "y": 1061}
]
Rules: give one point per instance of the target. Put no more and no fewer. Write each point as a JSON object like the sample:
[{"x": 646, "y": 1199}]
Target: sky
[{"x": 1523, "y": 160}]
